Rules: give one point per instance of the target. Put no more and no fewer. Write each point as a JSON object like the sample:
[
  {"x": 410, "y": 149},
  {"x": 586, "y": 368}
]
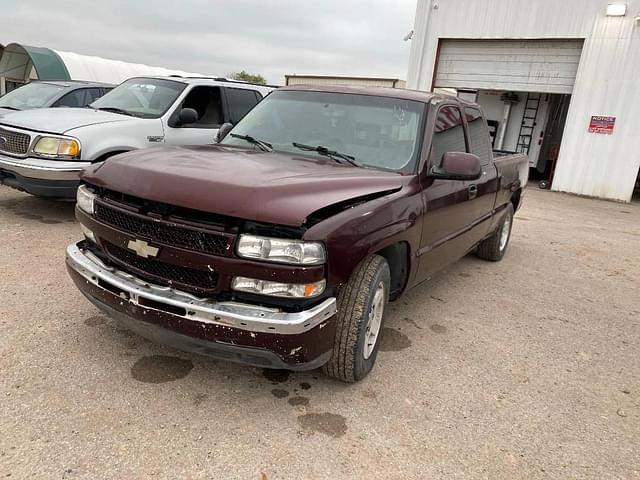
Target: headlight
[
  {"x": 276, "y": 289},
  {"x": 295, "y": 252},
  {"x": 57, "y": 147},
  {"x": 85, "y": 198}
]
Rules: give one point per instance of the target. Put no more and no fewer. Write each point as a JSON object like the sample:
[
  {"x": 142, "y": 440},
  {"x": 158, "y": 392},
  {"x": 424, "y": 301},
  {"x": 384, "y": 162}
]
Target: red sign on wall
[{"x": 602, "y": 124}]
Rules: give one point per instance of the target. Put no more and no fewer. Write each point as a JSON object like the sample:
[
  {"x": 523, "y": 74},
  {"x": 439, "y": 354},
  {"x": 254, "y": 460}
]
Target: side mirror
[
  {"x": 224, "y": 129},
  {"x": 187, "y": 116},
  {"x": 458, "y": 166}
]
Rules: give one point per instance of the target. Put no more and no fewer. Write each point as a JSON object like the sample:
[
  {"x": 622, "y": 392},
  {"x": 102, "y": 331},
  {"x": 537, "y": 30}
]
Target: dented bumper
[{"x": 244, "y": 333}]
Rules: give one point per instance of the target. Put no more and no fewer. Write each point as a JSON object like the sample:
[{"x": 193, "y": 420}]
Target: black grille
[
  {"x": 14, "y": 142},
  {"x": 164, "y": 273},
  {"x": 160, "y": 232}
]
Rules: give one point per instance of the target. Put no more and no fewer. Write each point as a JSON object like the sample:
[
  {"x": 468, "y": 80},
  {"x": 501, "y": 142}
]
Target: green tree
[{"x": 248, "y": 77}]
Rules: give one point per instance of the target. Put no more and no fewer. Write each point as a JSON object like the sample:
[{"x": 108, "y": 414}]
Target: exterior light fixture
[{"x": 616, "y": 10}]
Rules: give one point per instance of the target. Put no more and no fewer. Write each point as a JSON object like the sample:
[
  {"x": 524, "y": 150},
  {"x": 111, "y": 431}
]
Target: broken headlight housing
[
  {"x": 85, "y": 198},
  {"x": 280, "y": 250}
]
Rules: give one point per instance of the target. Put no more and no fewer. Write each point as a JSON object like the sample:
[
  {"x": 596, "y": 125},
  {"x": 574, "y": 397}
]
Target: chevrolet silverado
[{"x": 281, "y": 246}]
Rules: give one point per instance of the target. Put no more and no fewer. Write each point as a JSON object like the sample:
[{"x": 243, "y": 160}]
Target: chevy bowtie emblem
[{"x": 142, "y": 248}]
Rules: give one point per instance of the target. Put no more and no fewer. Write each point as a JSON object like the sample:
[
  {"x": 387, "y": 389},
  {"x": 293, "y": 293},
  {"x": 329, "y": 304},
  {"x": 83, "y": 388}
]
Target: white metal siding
[
  {"x": 606, "y": 81},
  {"x": 518, "y": 65}
]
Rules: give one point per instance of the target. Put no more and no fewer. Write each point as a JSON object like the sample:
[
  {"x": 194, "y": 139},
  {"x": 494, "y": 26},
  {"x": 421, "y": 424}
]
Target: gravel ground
[{"x": 527, "y": 368}]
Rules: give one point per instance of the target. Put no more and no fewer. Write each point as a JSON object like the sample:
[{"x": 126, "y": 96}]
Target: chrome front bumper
[
  {"x": 252, "y": 318},
  {"x": 43, "y": 169}
]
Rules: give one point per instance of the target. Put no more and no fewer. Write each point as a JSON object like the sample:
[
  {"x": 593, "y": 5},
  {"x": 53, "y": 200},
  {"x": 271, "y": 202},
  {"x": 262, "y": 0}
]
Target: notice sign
[{"x": 602, "y": 124}]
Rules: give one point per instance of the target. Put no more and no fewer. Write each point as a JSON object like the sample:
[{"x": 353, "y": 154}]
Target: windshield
[
  {"x": 378, "y": 132},
  {"x": 141, "y": 97},
  {"x": 31, "y": 95}
]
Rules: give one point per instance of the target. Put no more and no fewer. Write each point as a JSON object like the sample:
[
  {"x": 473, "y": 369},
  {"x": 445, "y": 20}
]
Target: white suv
[{"x": 43, "y": 151}]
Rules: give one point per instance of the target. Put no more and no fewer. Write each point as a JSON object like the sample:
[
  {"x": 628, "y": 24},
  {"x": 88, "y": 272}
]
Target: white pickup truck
[{"x": 43, "y": 151}]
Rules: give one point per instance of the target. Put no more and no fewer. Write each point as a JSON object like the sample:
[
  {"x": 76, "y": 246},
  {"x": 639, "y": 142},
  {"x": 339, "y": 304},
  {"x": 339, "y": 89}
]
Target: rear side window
[
  {"x": 448, "y": 134},
  {"x": 92, "y": 95},
  {"x": 77, "y": 98},
  {"x": 240, "y": 102},
  {"x": 480, "y": 141}
]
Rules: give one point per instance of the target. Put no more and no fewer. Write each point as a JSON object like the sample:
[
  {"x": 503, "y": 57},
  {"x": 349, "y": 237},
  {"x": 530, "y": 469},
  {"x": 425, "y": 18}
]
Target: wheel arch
[
  {"x": 515, "y": 199},
  {"x": 106, "y": 155},
  {"x": 397, "y": 256}
]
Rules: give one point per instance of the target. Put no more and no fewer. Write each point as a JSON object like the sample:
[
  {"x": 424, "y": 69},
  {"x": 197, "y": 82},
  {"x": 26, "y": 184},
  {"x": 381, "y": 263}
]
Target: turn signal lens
[
  {"x": 276, "y": 289},
  {"x": 85, "y": 198}
]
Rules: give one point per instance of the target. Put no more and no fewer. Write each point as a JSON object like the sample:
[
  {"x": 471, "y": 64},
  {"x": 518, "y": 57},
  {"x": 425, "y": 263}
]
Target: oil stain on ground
[
  {"x": 297, "y": 401},
  {"x": 327, "y": 423},
  {"x": 279, "y": 393},
  {"x": 95, "y": 321},
  {"x": 438, "y": 328},
  {"x": 160, "y": 369},
  {"x": 276, "y": 376},
  {"x": 393, "y": 341},
  {"x": 39, "y": 218}
]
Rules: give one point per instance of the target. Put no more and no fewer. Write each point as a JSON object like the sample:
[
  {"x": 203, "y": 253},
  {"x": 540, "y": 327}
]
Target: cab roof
[{"x": 400, "y": 93}]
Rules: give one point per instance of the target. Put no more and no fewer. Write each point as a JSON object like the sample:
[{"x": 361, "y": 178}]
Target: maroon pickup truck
[{"x": 281, "y": 246}]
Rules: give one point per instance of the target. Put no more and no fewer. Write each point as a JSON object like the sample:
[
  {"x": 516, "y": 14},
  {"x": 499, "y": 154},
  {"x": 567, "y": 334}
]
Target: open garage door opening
[{"x": 524, "y": 87}]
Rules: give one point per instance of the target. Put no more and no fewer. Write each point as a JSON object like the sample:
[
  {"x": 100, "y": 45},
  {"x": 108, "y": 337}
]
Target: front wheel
[
  {"x": 361, "y": 306},
  {"x": 494, "y": 247}
]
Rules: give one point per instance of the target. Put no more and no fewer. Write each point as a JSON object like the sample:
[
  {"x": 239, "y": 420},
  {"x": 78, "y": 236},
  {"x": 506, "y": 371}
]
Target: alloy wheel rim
[
  {"x": 374, "y": 321},
  {"x": 504, "y": 235}
]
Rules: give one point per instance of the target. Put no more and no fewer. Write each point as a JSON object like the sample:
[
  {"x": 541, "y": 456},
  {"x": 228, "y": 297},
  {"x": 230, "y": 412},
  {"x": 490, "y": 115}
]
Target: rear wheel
[
  {"x": 361, "y": 306},
  {"x": 494, "y": 247}
]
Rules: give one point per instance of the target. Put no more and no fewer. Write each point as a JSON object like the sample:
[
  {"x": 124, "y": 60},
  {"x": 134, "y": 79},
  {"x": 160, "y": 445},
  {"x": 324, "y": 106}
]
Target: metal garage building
[
  {"x": 20, "y": 64},
  {"x": 295, "y": 79},
  {"x": 559, "y": 80}
]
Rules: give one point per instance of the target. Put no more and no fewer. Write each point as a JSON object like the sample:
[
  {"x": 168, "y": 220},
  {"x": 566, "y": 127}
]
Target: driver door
[
  {"x": 447, "y": 222},
  {"x": 209, "y": 104}
]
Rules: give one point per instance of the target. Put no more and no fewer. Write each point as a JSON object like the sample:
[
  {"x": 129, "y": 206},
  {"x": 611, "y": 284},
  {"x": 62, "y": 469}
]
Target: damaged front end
[{"x": 172, "y": 275}]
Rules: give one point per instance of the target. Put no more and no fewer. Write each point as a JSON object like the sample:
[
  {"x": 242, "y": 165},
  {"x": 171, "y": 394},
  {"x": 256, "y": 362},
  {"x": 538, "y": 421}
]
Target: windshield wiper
[
  {"x": 9, "y": 108},
  {"x": 328, "y": 153},
  {"x": 116, "y": 110},
  {"x": 264, "y": 146}
]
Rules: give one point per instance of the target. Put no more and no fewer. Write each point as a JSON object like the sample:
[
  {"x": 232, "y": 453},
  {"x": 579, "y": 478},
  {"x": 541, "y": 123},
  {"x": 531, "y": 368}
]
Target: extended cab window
[
  {"x": 240, "y": 102},
  {"x": 478, "y": 135},
  {"x": 448, "y": 134}
]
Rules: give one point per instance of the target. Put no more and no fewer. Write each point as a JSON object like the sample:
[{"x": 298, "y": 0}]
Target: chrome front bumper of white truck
[{"x": 42, "y": 177}]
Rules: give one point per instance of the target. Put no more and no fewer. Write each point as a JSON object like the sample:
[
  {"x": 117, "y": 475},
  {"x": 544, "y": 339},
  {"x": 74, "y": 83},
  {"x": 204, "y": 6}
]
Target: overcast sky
[{"x": 335, "y": 37}]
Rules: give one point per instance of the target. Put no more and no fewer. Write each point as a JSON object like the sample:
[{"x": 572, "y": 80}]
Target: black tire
[
  {"x": 491, "y": 248},
  {"x": 355, "y": 302}
]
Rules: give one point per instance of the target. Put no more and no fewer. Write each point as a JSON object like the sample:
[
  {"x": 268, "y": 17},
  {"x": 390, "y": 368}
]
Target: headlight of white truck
[
  {"x": 294, "y": 252},
  {"x": 85, "y": 198},
  {"x": 277, "y": 289},
  {"x": 57, "y": 147}
]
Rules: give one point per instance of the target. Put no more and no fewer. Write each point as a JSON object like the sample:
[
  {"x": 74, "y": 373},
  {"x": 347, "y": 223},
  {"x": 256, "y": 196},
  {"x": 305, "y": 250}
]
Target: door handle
[{"x": 473, "y": 191}]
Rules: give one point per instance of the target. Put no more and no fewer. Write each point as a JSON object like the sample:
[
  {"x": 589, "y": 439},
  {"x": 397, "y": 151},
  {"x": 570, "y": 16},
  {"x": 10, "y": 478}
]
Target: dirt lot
[{"x": 524, "y": 369}]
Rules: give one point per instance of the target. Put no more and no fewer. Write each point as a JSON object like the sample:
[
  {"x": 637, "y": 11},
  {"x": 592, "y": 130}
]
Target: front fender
[{"x": 358, "y": 232}]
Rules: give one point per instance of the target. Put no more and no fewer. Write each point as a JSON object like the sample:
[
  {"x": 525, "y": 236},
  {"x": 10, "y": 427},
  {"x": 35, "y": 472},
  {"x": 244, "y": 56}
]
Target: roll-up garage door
[{"x": 521, "y": 65}]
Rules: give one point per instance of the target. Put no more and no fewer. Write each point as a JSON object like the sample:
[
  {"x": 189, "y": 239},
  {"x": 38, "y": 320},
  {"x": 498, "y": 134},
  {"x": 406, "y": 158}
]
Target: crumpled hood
[
  {"x": 59, "y": 120},
  {"x": 265, "y": 187}
]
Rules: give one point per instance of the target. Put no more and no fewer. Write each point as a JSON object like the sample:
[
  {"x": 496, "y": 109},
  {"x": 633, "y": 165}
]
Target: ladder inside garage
[{"x": 528, "y": 122}]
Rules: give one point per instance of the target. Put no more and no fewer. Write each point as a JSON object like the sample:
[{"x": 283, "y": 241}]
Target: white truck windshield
[{"x": 141, "y": 97}]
